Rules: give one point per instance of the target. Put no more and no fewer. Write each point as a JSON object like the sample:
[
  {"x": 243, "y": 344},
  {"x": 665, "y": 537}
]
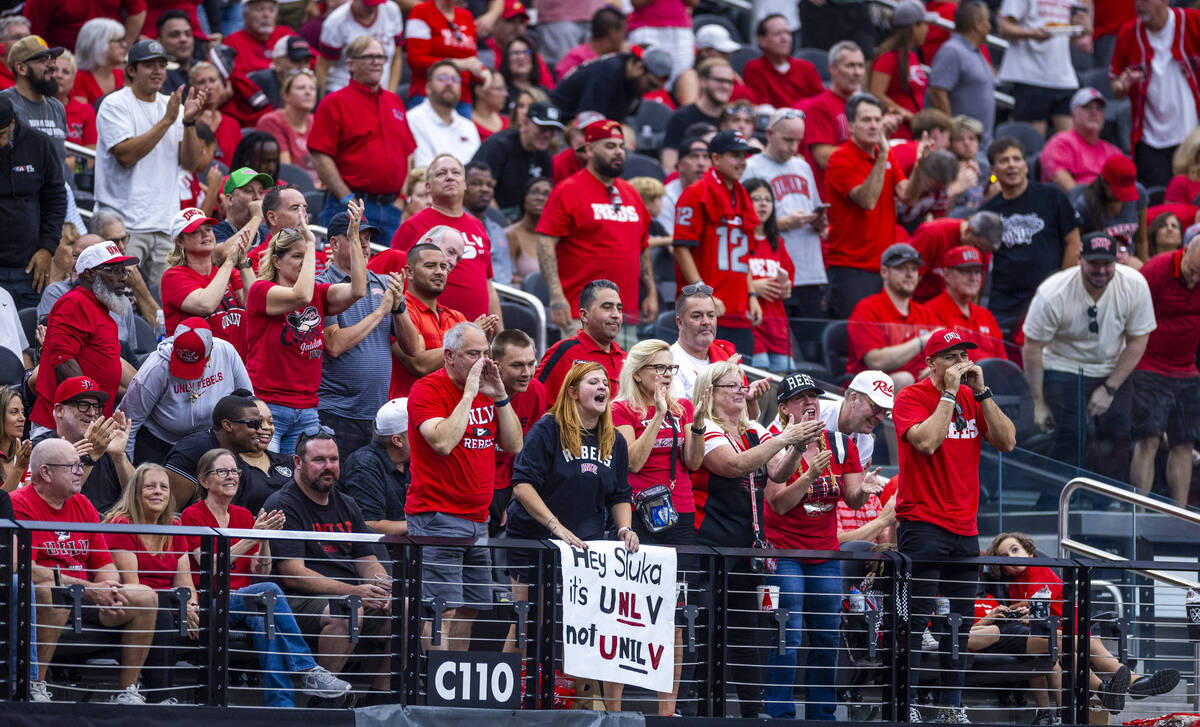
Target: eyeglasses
[
  {"x": 120, "y": 240},
  {"x": 76, "y": 466},
  {"x": 663, "y": 368},
  {"x": 371, "y": 58},
  {"x": 87, "y": 406},
  {"x": 696, "y": 288},
  {"x": 722, "y": 81},
  {"x": 520, "y": 52},
  {"x": 1093, "y": 324},
  {"x": 447, "y": 78},
  {"x": 224, "y": 472},
  {"x": 252, "y": 423},
  {"x": 732, "y": 387}
]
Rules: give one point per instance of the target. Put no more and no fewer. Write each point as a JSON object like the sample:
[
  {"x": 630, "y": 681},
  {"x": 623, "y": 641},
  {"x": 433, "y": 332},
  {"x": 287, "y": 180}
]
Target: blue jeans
[
  {"x": 811, "y": 593},
  {"x": 387, "y": 217},
  {"x": 12, "y": 634},
  {"x": 281, "y": 656},
  {"x": 289, "y": 423},
  {"x": 772, "y": 361}
]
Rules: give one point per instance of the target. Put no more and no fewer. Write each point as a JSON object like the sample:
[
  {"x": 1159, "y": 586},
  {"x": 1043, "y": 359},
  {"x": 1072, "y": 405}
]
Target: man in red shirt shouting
[
  {"x": 714, "y": 224},
  {"x": 939, "y": 423}
]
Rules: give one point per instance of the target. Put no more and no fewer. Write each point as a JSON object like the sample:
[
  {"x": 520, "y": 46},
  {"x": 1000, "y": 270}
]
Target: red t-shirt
[
  {"x": 79, "y": 327},
  {"x": 252, "y": 55},
  {"x": 932, "y": 239},
  {"x": 580, "y": 348},
  {"x": 198, "y": 515},
  {"x": 657, "y": 470},
  {"x": 876, "y": 323},
  {"x": 1171, "y": 349},
  {"x": 857, "y": 236},
  {"x": 59, "y": 21},
  {"x": 1179, "y": 189},
  {"x": 812, "y": 523},
  {"x": 941, "y": 488},
  {"x": 79, "y": 555},
  {"x": 979, "y": 327},
  {"x": 228, "y": 133},
  {"x": 466, "y": 286},
  {"x": 460, "y": 483},
  {"x": 367, "y": 134},
  {"x": 155, "y": 570},
  {"x": 565, "y": 163},
  {"x": 597, "y": 239},
  {"x": 81, "y": 122},
  {"x": 226, "y": 321},
  {"x": 912, "y": 99},
  {"x": 1034, "y": 579},
  {"x": 529, "y": 406},
  {"x": 800, "y": 81},
  {"x": 285, "y": 361},
  {"x": 937, "y": 34},
  {"x": 432, "y": 325},
  {"x": 430, "y": 37},
  {"x": 718, "y": 227},
  {"x": 1111, "y": 15},
  {"x": 824, "y": 123},
  {"x": 772, "y": 335}
]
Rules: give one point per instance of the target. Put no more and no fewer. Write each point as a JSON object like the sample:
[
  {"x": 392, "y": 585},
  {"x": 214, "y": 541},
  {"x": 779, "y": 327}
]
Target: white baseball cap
[
  {"x": 189, "y": 220},
  {"x": 102, "y": 254},
  {"x": 717, "y": 37},
  {"x": 392, "y": 418},
  {"x": 877, "y": 386}
]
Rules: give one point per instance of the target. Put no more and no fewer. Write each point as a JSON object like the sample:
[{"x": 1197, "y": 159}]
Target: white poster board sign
[{"x": 619, "y": 613}]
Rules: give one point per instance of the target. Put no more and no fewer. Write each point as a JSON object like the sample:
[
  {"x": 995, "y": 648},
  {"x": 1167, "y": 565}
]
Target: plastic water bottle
[
  {"x": 858, "y": 603},
  {"x": 1192, "y": 602},
  {"x": 160, "y": 326},
  {"x": 942, "y": 606}
]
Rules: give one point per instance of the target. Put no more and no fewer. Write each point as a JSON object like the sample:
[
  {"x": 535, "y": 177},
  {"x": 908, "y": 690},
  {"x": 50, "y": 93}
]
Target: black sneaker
[
  {"x": 1112, "y": 692},
  {"x": 1160, "y": 682}
]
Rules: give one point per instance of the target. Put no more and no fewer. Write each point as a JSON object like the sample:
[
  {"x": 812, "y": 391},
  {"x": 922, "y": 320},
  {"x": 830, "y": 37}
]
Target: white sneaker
[
  {"x": 39, "y": 692},
  {"x": 914, "y": 715},
  {"x": 952, "y": 715},
  {"x": 131, "y": 695},
  {"x": 319, "y": 682},
  {"x": 928, "y": 643}
]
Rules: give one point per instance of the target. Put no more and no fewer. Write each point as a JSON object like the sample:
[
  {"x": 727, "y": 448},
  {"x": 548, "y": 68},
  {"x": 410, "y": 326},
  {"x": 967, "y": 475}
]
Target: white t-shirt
[
  {"x": 666, "y": 218},
  {"x": 460, "y": 137},
  {"x": 830, "y": 410},
  {"x": 715, "y": 437},
  {"x": 12, "y": 333},
  {"x": 1045, "y": 63},
  {"x": 340, "y": 27},
  {"x": 1058, "y": 315},
  {"x": 141, "y": 193},
  {"x": 1170, "y": 108},
  {"x": 795, "y": 190},
  {"x": 689, "y": 369}
]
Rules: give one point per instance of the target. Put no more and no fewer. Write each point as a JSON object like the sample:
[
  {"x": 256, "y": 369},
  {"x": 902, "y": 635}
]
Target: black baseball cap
[
  {"x": 795, "y": 384},
  {"x": 340, "y": 224},
  {"x": 730, "y": 140},
  {"x": 146, "y": 50},
  {"x": 1099, "y": 246},
  {"x": 544, "y": 114},
  {"x": 900, "y": 253}
]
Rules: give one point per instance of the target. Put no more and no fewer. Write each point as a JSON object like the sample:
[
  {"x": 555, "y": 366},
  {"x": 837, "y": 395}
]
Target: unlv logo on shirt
[
  {"x": 478, "y": 435},
  {"x": 303, "y": 328},
  {"x": 786, "y": 184},
  {"x": 64, "y": 547},
  {"x": 474, "y": 247}
]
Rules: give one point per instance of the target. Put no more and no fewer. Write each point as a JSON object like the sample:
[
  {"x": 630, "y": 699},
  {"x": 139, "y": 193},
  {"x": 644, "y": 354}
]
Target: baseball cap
[
  {"x": 658, "y": 62},
  {"x": 606, "y": 129},
  {"x": 340, "y": 225},
  {"x": 877, "y": 386},
  {"x": 730, "y": 140},
  {"x": 1085, "y": 96},
  {"x": 29, "y": 48},
  {"x": 900, "y": 253},
  {"x": 962, "y": 256},
  {"x": 910, "y": 12},
  {"x": 716, "y": 37},
  {"x": 1098, "y": 246},
  {"x": 146, "y": 50},
  {"x": 242, "y": 176},
  {"x": 1121, "y": 176},
  {"x": 102, "y": 254},
  {"x": 189, "y": 220},
  {"x": 795, "y": 384},
  {"x": 512, "y": 9},
  {"x": 78, "y": 387},
  {"x": 544, "y": 114},
  {"x": 295, "y": 48},
  {"x": 944, "y": 339},
  {"x": 7, "y": 112},
  {"x": 392, "y": 418},
  {"x": 190, "y": 349}
]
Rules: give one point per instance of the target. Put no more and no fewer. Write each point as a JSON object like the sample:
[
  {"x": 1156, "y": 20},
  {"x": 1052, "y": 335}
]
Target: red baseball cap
[
  {"x": 606, "y": 129},
  {"x": 78, "y": 387},
  {"x": 1121, "y": 176},
  {"x": 190, "y": 349},
  {"x": 962, "y": 256},
  {"x": 512, "y": 9},
  {"x": 945, "y": 339}
]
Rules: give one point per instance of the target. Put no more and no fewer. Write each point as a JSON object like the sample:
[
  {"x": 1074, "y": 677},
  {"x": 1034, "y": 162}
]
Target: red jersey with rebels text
[{"x": 284, "y": 361}]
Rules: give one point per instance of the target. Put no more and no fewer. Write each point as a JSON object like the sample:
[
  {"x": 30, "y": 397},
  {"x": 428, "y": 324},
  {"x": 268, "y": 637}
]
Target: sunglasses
[
  {"x": 1093, "y": 323},
  {"x": 252, "y": 423},
  {"x": 697, "y": 288}
]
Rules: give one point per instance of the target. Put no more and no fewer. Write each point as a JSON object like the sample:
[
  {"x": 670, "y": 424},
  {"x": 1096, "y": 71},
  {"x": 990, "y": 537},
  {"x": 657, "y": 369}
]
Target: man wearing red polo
[
  {"x": 596, "y": 226},
  {"x": 965, "y": 271},
  {"x": 426, "y": 272},
  {"x": 255, "y": 42},
  {"x": 863, "y": 180},
  {"x": 360, "y": 141},
  {"x": 469, "y": 288},
  {"x": 714, "y": 225},
  {"x": 600, "y": 314}
]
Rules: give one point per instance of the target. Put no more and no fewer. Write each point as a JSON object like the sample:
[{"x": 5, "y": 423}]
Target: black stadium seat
[
  {"x": 516, "y": 315},
  {"x": 297, "y": 177},
  {"x": 649, "y": 124},
  {"x": 640, "y": 165},
  {"x": 12, "y": 368},
  {"x": 29, "y": 317},
  {"x": 819, "y": 58},
  {"x": 1032, "y": 139},
  {"x": 835, "y": 341}
]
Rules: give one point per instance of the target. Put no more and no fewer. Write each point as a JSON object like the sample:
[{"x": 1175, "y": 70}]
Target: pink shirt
[
  {"x": 290, "y": 140},
  {"x": 577, "y": 56},
  {"x": 661, "y": 14},
  {"x": 1068, "y": 150}
]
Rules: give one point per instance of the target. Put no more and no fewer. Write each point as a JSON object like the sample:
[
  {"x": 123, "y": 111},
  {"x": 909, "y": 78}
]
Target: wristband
[
  {"x": 346, "y": 200},
  {"x": 621, "y": 530},
  {"x": 87, "y": 460},
  {"x": 985, "y": 394},
  {"x": 189, "y": 123},
  {"x": 947, "y": 396},
  {"x": 752, "y": 294},
  {"x": 502, "y": 402},
  {"x": 696, "y": 430}
]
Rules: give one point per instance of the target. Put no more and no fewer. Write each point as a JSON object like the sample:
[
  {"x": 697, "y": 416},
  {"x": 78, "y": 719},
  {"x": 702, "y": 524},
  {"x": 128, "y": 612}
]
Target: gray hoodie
[{"x": 172, "y": 408}]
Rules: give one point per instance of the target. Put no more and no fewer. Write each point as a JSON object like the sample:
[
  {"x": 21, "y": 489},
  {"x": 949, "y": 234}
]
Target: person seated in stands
[
  {"x": 888, "y": 330},
  {"x": 242, "y": 200},
  {"x": 275, "y": 467},
  {"x": 286, "y": 652},
  {"x": 776, "y": 77},
  {"x": 1026, "y": 583},
  {"x": 934, "y": 239},
  {"x": 964, "y": 270},
  {"x": 290, "y": 56},
  {"x": 1076, "y": 155},
  {"x": 377, "y": 475},
  {"x": 236, "y": 425},
  {"x": 69, "y": 558},
  {"x": 314, "y": 573}
]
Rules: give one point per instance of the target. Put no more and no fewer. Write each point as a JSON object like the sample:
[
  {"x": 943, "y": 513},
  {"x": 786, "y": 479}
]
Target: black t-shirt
[
  {"x": 512, "y": 166},
  {"x": 103, "y": 486},
  {"x": 1035, "y": 225},
  {"x": 341, "y": 515},
  {"x": 598, "y": 85},
  {"x": 254, "y": 486},
  {"x": 6, "y": 508},
  {"x": 1122, "y": 226},
  {"x": 370, "y": 478},
  {"x": 578, "y": 490},
  {"x": 681, "y": 120}
]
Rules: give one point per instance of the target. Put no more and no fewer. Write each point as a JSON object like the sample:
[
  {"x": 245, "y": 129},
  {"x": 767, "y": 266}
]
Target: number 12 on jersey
[{"x": 732, "y": 248}]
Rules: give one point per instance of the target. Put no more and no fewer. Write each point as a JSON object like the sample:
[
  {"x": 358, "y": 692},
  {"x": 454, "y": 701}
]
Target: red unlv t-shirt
[
  {"x": 941, "y": 488},
  {"x": 284, "y": 356},
  {"x": 466, "y": 286},
  {"x": 226, "y": 321},
  {"x": 79, "y": 555},
  {"x": 459, "y": 483},
  {"x": 812, "y": 523}
]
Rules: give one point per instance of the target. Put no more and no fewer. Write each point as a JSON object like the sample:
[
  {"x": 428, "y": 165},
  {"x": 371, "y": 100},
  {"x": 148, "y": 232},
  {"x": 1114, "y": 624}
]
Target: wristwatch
[
  {"x": 1112, "y": 391},
  {"x": 698, "y": 430},
  {"x": 87, "y": 460},
  {"x": 985, "y": 394}
]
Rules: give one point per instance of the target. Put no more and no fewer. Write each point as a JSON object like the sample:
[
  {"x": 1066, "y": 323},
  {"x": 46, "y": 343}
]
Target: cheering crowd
[{"x": 619, "y": 164}]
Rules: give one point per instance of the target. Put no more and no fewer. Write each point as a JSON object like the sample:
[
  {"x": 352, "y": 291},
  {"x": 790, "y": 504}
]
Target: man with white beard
[{"x": 81, "y": 335}]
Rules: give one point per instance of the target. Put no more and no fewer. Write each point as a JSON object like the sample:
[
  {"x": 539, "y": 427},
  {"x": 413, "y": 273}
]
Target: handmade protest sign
[{"x": 619, "y": 613}]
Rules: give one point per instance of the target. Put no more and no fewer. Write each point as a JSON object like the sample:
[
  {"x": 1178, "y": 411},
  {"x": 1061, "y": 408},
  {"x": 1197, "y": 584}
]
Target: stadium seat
[
  {"x": 665, "y": 328},
  {"x": 1156, "y": 195},
  {"x": 1012, "y": 394},
  {"x": 316, "y": 202},
  {"x": 836, "y": 341},
  {"x": 704, "y": 19},
  {"x": 29, "y": 317},
  {"x": 741, "y": 57},
  {"x": 640, "y": 165},
  {"x": 519, "y": 316},
  {"x": 1032, "y": 139},
  {"x": 12, "y": 368},
  {"x": 819, "y": 58},
  {"x": 1098, "y": 79},
  {"x": 535, "y": 285},
  {"x": 297, "y": 177},
  {"x": 649, "y": 124}
]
